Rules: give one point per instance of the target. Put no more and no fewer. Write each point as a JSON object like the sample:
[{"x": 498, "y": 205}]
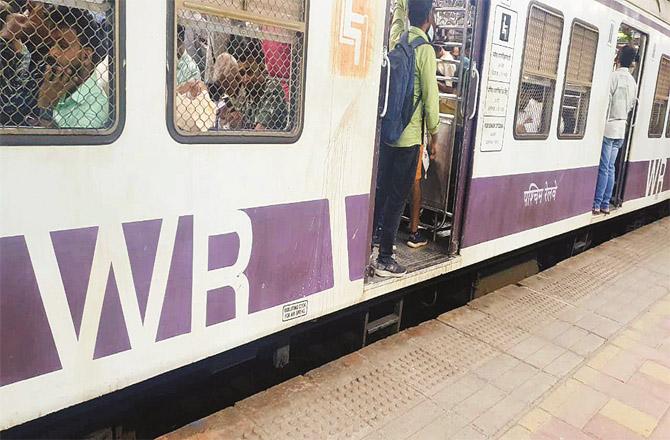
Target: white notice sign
[
  {"x": 493, "y": 134},
  {"x": 496, "y": 101},
  {"x": 497, "y": 97},
  {"x": 501, "y": 63}
]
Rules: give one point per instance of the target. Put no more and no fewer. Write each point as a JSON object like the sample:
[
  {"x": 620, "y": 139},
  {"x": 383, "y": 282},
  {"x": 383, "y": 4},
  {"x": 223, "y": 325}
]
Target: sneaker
[
  {"x": 595, "y": 211},
  {"x": 416, "y": 240},
  {"x": 389, "y": 269},
  {"x": 605, "y": 211}
]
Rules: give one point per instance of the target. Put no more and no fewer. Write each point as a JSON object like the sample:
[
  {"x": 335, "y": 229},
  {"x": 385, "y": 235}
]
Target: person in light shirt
[
  {"x": 531, "y": 108},
  {"x": 622, "y": 97}
]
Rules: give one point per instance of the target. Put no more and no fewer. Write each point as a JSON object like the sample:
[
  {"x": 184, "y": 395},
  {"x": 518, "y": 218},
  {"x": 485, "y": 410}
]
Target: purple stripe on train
[
  {"x": 112, "y": 331},
  {"x": 27, "y": 347},
  {"x": 176, "y": 313},
  {"x": 142, "y": 244},
  {"x": 74, "y": 252},
  {"x": 504, "y": 205},
  {"x": 647, "y": 178},
  {"x": 358, "y": 211},
  {"x": 619, "y": 7},
  {"x": 291, "y": 258}
]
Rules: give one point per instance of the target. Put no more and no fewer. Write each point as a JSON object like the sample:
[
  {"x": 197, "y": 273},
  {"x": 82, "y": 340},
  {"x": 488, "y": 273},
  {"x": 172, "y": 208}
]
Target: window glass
[
  {"x": 57, "y": 66},
  {"x": 660, "y": 106},
  {"x": 538, "y": 75},
  {"x": 578, "y": 80},
  {"x": 239, "y": 68}
]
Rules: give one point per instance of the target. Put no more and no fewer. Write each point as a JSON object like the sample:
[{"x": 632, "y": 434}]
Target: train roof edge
[{"x": 658, "y": 8}]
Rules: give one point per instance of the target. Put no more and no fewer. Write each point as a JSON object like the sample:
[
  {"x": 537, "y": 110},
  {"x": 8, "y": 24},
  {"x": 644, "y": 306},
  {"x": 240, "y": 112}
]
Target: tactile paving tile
[
  {"x": 531, "y": 310},
  {"x": 422, "y": 370},
  {"x": 449, "y": 344},
  {"x": 484, "y": 327},
  {"x": 322, "y": 418},
  {"x": 573, "y": 287},
  {"x": 374, "y": 396}
]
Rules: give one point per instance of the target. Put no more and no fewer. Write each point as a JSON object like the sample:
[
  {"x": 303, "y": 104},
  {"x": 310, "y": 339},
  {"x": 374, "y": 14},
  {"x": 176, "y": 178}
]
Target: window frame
[
  {"x": 665, "y": 124},
  {"x": 531, "y": 137},
  {"x": 23, "y": 136},
  {"x": 221, "y": 137},
  {"x": 589, "y": 26}
]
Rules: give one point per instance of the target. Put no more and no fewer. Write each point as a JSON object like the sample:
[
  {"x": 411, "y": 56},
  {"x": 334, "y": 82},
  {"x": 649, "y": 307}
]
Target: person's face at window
[
  {"x": 456, "y": 52},
  {"x": 252, "y": 74},
  {"x": 68, "y": 54}
]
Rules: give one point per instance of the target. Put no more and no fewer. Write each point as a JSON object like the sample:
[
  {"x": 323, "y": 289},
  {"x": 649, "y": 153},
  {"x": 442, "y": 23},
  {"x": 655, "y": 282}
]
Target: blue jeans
[{"x": 606, "y": 173}]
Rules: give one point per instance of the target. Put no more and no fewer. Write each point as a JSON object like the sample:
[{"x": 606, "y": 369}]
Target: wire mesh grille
[
  {"x": 578, "y": 81},
  {"x": 540, "y": 68},
  {"x": 237, "y": 71},
  {"x": 57, "y": 66},
  {"x": 661, "y": 96}
]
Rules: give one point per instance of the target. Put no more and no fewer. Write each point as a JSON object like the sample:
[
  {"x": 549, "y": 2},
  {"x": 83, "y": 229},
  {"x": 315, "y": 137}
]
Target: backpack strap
[
  {"x": 416, "y": 43},
  {"x": 419, "y": 41}
]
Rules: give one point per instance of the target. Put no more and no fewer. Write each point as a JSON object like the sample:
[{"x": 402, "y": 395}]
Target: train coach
[{"x": 154, "y": 215}]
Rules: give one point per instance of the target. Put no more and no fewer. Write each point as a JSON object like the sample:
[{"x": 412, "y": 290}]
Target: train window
[
  {"x": 542, "y": 48},
  {"x": 238, "y": 70},
  {"x": 58, "y": 69},
  {"x": 578, "y": 80},
  {"x": 661, "y": 95}
]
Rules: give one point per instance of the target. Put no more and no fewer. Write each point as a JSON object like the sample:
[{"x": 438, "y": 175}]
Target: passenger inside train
[
  {"x": 425, "y": 232},
  {"x": 55, "y": 66},
  {"x": 243, "y": 77}
]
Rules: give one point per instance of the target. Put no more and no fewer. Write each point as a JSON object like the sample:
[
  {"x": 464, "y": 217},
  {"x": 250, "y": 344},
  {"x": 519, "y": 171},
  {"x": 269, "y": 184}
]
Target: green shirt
[
  {"x": 425, "y": 88},
  {"x": 187, "y": 69},
  {"x": 399, "y": 23},
  {"x": 268, "y": 108},
  {"x": 87, "y": 107}
]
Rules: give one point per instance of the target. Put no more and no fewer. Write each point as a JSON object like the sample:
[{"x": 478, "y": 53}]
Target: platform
[{"x": 580, "y": 351}]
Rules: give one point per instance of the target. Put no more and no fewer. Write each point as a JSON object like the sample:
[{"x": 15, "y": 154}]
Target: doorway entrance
[
  {"x": 459, "y": 25},
  {"x": 631, "y": 36}
]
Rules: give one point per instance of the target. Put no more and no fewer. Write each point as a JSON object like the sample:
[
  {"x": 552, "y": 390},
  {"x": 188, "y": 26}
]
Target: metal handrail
[{"x": 386, "y": 63}]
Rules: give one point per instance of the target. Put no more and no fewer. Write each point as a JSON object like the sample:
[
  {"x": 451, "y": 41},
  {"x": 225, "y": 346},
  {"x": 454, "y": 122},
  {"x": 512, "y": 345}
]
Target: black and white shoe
[
  {"x": 389, "y": 268},
  {"x": 416, "y": 240}
]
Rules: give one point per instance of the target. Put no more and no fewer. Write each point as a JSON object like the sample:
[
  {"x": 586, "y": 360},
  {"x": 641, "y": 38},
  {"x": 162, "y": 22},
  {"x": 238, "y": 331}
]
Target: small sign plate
[{"x": 294, "y": 311}]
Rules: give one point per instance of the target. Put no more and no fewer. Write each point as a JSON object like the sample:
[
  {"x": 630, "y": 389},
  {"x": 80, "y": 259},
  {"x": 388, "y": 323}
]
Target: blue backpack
[{"x": 400, "y": 97}]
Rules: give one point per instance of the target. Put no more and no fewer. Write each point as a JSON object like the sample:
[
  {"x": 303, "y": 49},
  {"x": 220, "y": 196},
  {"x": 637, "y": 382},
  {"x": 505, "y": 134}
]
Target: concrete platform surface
[{"x": 580, "y": 351}]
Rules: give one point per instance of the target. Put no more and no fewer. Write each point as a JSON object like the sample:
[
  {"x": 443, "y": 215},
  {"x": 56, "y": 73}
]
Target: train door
[
  {"x": 457, "y": 34},
  {"x": 628, "y": 35}
]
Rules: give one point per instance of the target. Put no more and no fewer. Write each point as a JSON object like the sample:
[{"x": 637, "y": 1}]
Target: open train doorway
[
  {"x": 630, "y": 36},
  {"x": 457, "y": 41}
]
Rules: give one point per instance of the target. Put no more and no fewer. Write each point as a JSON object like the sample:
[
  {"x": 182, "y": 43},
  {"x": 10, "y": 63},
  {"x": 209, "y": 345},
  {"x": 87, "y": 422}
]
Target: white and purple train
[{"x": 131, "y": 251}]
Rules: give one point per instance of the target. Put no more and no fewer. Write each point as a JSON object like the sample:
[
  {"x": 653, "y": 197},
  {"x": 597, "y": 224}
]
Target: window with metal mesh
[
  {"x": 239, "y": 67},
  {"x": 538, "y": 75},
  {"x": 58, "y": 70},
  {"x": 578, "y": 81},
  {"x": 659, "y": 108}
]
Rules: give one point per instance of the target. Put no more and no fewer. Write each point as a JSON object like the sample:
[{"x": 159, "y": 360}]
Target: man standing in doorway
[
  {"x": 399, "y": 26},
  {"x": 622, "y": 97},
  {"x": 397, "y": 162}
]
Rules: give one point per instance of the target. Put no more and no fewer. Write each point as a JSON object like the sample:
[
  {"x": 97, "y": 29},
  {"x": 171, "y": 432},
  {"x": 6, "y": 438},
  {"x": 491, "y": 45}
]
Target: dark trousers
[{"x": 395, "y": 175}]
